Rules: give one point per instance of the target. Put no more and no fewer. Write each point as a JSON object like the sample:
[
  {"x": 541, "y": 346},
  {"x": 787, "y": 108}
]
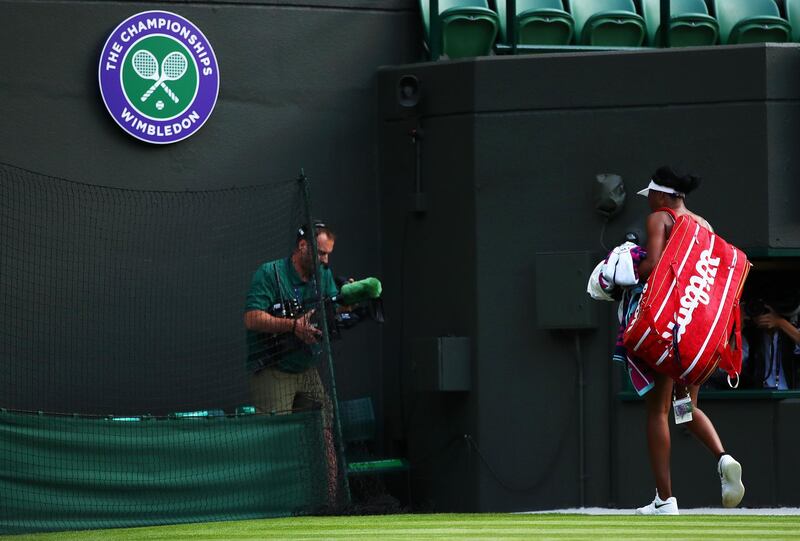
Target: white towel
[
  {"x": 595, "y": 286},
  {"x": 618, "y": 267}
]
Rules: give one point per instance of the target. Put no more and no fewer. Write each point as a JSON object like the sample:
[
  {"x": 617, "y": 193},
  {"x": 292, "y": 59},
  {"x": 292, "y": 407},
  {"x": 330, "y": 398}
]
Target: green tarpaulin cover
[{"x": 69, "y": 473}]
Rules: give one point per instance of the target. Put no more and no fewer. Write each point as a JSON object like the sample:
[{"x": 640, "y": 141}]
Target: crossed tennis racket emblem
[{"x": 173, "y": 67}]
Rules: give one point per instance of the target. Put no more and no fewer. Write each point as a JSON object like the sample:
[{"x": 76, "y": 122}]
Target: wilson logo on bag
[{"x": 688, "y": 321}]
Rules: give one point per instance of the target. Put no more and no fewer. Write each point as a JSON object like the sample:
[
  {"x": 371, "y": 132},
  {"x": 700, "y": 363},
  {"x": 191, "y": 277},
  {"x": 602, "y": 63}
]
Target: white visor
[{"x": 659, "y": 188}]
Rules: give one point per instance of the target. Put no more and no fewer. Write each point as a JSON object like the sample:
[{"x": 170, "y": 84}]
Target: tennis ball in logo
[{"x": 159, "y": 77}]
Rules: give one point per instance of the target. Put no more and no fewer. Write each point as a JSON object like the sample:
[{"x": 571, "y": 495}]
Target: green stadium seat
[
  {"x": 376, "y": 467},
  {"x": 468, "y": 27},
  {"x": 690, "y": 25},
  {"x": 537, "y": 22},
  {"x": 357, "y": 418},
  {"x": 612, "y": 23},
  {"x": 793, "y": 16},
  {"x": 751, "y": 21}
]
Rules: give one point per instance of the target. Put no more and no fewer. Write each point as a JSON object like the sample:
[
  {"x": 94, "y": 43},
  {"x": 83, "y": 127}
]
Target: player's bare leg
[
  {"x": 657, "y": 404},
  {"x": 730, "y": 471},
  {"x": 702, "y": 427}
]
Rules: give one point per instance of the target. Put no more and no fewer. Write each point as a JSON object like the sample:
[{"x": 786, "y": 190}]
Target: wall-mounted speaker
[{"x": 409, "y": 91}]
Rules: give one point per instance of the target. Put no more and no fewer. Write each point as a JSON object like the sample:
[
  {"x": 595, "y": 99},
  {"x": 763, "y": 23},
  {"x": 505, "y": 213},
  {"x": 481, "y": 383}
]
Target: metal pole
[
  {"x": 581, "y": 421},
  {"x": 664, "y": 24},
  {"x": 326, "y": 344},
  {"x": 511, "y": 24}
]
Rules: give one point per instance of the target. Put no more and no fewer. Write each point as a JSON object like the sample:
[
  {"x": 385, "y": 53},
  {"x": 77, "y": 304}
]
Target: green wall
[
  {"x": 511, "y": 149},
  {"x": 297, "y": 90}
]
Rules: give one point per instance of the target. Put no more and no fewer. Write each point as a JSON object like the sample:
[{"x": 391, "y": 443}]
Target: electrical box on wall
[
  {"x": 561, "y": 298},
  {"x": 441, "y": 363}
]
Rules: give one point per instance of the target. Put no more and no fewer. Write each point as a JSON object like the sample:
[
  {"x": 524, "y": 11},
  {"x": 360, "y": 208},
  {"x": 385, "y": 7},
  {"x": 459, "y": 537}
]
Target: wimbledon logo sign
[{"x": 158, "y": 77}]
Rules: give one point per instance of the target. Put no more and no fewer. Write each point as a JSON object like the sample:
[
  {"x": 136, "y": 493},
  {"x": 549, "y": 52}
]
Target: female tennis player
[{"x": 666, "y": 194}]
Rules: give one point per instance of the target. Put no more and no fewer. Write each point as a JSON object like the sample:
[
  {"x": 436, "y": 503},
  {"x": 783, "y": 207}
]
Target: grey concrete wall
[
  {"x": 523, "y": 138},
  {"x": 297, "y": 90}
]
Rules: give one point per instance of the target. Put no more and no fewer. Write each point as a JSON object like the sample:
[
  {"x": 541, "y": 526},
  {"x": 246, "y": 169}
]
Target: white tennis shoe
[
  {"x": 660, "y": 507},
  {"x": 730, "y": 477}
]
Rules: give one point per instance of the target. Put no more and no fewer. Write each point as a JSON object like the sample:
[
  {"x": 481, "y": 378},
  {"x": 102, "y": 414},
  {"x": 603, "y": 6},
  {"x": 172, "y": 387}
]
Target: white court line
[{"x": 696, "y": 511}]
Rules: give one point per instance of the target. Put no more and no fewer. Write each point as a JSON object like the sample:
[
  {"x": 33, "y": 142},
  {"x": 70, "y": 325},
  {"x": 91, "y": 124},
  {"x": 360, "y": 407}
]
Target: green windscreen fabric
[{"x": 70, "y": 473}]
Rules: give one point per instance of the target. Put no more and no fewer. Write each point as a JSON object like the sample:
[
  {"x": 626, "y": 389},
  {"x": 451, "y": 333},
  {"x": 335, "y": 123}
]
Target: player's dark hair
[{"x": 672, "y": 178}]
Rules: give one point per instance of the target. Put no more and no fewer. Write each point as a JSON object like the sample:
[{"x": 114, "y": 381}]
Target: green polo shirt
[{"x": 271, "y": 282}]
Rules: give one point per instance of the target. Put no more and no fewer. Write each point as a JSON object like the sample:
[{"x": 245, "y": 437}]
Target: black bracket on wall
[{"x": 418, "y": 203}]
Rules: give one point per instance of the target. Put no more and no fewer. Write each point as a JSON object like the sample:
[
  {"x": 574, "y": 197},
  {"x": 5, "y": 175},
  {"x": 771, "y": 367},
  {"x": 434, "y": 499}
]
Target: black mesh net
[{"x": 131, "y": 393}]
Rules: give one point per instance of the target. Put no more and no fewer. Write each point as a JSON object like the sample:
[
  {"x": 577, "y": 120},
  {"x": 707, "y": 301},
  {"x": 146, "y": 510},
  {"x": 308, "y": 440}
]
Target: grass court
[{"x": 457, "y": 527}]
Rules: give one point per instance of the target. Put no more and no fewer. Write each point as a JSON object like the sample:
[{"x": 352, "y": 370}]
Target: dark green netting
[
  {"x": 118, "y": 303},
  {"x": 59, "y": 473}
]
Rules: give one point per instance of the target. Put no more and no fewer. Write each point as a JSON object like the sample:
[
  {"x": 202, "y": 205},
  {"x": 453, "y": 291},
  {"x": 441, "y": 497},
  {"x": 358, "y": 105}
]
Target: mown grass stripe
[
  {"x": 652, "y": 522},
  {"x": 676, "y": 526},
  {"x": 525, "y": 535},
  {"x": 472, "y": 532},
  {"x": 611, "y": 531},
  {"x": 457, "y": 527},
  {"x": 587, "y": 519},
  {"x": 622, "y": 519}
]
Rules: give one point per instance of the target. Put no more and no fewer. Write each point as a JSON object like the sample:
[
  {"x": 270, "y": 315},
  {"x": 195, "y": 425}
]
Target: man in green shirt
[{"x": 283, "y": 343}]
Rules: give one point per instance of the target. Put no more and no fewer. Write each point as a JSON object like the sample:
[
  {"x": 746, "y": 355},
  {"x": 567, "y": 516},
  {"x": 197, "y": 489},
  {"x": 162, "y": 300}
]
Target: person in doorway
[
  {"x": 771, "y": 334},
  {"x": 666, "y": 195}
]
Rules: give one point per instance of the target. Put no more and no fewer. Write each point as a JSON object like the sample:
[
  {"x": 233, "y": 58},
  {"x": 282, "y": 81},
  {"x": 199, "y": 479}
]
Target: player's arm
[{"x": 657, "y": 224}]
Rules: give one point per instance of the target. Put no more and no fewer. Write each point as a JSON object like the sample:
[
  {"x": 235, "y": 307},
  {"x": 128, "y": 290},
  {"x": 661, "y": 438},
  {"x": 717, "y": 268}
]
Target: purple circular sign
[{"x": 158, "y": 77}]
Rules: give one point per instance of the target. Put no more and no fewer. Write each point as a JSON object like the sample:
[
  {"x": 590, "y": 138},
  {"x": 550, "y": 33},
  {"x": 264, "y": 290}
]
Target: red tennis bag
[{"x": 688, "y": 321}]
